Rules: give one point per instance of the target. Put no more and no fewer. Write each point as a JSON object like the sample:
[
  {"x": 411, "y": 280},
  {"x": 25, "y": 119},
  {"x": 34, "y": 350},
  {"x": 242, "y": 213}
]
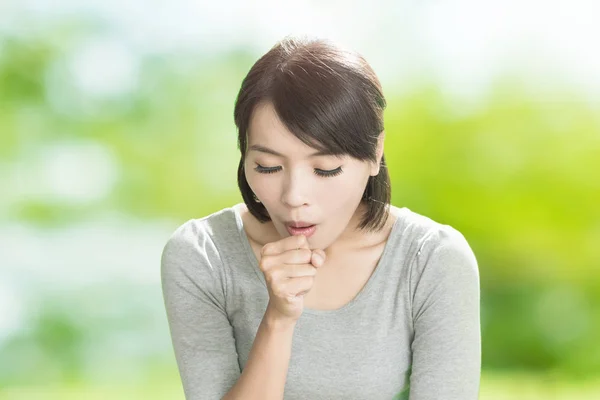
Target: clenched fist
[{"x": 289, "y": 267}]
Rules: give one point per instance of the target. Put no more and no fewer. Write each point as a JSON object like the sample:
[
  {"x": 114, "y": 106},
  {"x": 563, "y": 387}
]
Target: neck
[{"x": 353, "y": 238}]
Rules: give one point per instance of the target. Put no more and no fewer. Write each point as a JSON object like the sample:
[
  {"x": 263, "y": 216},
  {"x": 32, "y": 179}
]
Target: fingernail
[
  {"x": 318, "y": 258},
  {"x": 323, "y": 254}
]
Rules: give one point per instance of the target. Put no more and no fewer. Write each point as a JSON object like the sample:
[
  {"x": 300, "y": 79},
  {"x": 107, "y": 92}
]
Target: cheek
[
  {"x": 345, "y": 190},
  {"x": 264, "y": 186}
]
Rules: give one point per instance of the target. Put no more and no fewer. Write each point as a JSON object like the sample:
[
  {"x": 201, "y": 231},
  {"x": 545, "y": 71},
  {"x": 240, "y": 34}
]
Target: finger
[
  {"x": 290, "y": 257},
  {"x": 298, "y": 270},
  {"x": 288, "y": 243},
  {"x": 295, "y": 286},
  {"x": 295, "y": 256},
  {"x": 277, "y": 276},
  {"x": 317, "y": 258},
  {"x": 322, "y": 253},
  {"x": 281, "y": 261}
]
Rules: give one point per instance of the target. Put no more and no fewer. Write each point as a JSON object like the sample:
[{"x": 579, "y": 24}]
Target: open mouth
[{"x": 306, "y": 230}]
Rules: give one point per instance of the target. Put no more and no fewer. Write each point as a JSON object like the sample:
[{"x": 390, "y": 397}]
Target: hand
[{"x": 289, "y": 267}]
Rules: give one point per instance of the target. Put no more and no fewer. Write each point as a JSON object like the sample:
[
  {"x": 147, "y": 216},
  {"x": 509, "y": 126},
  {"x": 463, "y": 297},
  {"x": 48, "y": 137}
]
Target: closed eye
[{"x": 319, "y": 172}]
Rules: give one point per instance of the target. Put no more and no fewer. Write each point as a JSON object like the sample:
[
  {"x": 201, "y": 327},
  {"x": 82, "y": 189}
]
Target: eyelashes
[{"x": 319, "y": 172}]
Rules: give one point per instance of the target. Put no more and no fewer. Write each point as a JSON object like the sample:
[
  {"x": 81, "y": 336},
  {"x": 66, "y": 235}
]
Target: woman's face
[{"x": 294, "y": 184}]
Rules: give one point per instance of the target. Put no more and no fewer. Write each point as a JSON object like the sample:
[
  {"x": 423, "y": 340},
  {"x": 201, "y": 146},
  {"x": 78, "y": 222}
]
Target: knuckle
[
  {"x": 269, "y": 279},
  {"x": 266, "y": 249},
  {"x": 272, "y": 277},
  {"x": 278, "y": 292},
  {"x": 263, "y": 265}
]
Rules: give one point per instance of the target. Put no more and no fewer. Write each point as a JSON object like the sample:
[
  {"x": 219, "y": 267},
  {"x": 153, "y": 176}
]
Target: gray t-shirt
[{"x": 413, "y": 329}]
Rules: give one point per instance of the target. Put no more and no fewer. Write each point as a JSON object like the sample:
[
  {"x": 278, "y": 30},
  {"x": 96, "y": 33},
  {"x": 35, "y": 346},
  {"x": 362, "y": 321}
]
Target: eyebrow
[{"x": 263, "y": 149}]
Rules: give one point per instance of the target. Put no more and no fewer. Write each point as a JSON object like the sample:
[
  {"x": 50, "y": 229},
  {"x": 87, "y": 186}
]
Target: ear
[{"x": 379, "y": 153}]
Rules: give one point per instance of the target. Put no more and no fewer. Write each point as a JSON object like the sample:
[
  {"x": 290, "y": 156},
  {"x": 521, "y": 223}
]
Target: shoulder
[
  {"x": 418, "y": 227},
  {"x": 192, "y": 247},
  {"x": 433, "y": 244}
]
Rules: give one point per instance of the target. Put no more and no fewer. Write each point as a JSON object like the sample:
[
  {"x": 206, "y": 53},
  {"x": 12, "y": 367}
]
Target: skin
[
  {"x": 295, "y": 192},
  {"x": 290, "y": 263}
]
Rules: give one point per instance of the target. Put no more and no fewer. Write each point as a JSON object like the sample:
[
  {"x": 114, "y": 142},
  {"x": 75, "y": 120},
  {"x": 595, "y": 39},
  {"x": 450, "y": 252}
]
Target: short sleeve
[
  {"x": 193, "y": 284},
  {"x": 446, "y": 347}
]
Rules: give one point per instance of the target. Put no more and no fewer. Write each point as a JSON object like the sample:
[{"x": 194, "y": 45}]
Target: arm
[
  {"x": 447, "y": 342},
  {"x": 194, "y": 294},
  {"x": 192, "y": 283},
  {"x": 266, "y": 371}
]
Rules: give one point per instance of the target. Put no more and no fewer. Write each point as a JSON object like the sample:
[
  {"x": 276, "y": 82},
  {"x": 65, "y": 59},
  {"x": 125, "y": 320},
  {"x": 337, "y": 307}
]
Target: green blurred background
[{"x": 116, "y": 127}]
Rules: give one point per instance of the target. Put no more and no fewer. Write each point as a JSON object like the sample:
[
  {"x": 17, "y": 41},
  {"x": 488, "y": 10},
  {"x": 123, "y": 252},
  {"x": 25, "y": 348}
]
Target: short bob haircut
[{"x": 331, "y": 100}]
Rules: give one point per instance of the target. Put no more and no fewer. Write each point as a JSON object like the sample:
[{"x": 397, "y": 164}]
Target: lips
[
  {"x": 306, "y": 231},
  {"x": 299, "y": 224}
]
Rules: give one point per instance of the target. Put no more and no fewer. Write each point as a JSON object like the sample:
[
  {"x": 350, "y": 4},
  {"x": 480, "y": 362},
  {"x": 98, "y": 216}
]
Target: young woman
[{"x": 316, "y": 287}]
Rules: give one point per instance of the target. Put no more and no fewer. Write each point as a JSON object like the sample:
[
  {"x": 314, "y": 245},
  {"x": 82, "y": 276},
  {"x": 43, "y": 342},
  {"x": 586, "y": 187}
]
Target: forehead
[
  {"x": 265, "y": 124},
  {"x": 266, "y": 130}
]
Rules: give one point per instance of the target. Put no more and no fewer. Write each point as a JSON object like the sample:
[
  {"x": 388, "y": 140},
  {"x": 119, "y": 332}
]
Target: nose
[{"x": 296, "y": 190}]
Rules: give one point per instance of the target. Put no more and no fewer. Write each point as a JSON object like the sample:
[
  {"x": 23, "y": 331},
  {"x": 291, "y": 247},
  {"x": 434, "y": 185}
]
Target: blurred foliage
[
  {"x": 517, "y": 173},
  {"x": 520, "y": 178},
  {"x": 167, "y": 386}
]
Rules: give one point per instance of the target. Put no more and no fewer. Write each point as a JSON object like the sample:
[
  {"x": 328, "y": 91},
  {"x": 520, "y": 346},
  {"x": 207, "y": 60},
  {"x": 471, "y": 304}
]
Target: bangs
[{"x": 329, "y": 106}]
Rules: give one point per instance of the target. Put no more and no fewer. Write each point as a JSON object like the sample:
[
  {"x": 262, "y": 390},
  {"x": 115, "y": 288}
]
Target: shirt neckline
[{"x": 310, "y": 311}]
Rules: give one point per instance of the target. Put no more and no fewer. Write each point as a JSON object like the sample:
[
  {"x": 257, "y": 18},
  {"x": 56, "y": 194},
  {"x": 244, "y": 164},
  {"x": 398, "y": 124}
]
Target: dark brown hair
[{"x": 330, "y": 99}]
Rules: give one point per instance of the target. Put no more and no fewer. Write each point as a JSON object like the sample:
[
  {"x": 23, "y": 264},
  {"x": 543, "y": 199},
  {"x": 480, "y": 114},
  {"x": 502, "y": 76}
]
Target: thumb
[{"x": 318, "y": 258}]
